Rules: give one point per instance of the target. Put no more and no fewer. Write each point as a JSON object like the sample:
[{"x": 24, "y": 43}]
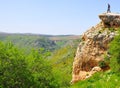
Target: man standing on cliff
[{"x": 108, "y": 10}]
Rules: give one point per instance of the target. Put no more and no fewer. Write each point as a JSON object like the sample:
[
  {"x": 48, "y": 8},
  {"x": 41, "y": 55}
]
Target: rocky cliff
[{"x": 94, "y": 46}]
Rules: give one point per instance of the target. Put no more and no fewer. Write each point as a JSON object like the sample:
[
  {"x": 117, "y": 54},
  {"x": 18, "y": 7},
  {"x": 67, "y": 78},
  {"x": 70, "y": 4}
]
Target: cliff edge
[
  {"x": 110, "y": 19},
  {"x": 94, "y": 46}
]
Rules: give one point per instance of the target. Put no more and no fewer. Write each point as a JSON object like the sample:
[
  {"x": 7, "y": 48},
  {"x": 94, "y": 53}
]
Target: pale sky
[{"x": 55, "y": 17}]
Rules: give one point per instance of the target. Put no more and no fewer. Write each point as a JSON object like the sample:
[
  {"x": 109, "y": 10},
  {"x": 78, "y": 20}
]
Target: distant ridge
[{"x": 51, "y": 37}]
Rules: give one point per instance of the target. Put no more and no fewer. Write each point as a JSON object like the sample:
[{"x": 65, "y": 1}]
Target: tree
[
  {"x": 18, "y": 70},
  {"x": 42, "y": 70},
  {"x": 13, "y": 68}
]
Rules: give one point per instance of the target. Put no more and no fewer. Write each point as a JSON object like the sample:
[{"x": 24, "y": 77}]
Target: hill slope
[{"x": 29, "y": 41}]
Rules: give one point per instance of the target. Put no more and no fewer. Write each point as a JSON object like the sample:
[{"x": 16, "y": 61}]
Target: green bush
[
  {"x": 18, "y": 70},
  {"x": 102, "y": 64},
  {"x": 13, "y": 68},
  {"x": 115, "y": 53}
]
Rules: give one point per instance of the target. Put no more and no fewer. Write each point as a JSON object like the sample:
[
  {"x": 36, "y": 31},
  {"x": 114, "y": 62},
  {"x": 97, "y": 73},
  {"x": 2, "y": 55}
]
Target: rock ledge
[{"x": 110, "y": 19}]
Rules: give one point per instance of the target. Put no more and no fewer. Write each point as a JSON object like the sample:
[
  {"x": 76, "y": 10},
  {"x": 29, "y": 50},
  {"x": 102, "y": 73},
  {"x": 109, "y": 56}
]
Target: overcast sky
[{"x": 52, "y": 16}]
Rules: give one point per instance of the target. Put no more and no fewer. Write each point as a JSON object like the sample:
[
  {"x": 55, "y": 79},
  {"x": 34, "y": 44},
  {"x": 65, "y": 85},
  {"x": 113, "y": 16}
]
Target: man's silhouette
[{"x": 108, "y": 10}]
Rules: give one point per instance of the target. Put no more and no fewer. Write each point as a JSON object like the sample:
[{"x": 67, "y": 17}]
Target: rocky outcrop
[
  {"x": 110, "y": 19},
  {"x": 93, "y": 48}
]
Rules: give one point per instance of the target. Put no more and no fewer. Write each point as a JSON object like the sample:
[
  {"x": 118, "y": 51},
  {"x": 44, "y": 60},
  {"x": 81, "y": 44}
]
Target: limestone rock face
[
  {"x": 110, "y": 19},
  {"x": 93, "y": 47}
]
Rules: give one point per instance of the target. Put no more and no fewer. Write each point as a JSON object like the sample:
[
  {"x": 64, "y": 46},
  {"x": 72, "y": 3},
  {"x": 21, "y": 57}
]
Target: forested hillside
[
  {"x": 29, "y": 41},
  {"x": 48, "y": 62},
  {"x": 61, "y": 61},
  {"x": 52, "y": 69}
]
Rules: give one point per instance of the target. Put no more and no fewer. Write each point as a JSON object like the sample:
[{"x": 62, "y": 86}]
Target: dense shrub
[
  {"x": 18, "y": 70},
  {"x": 13, "y": 68},
  {"x": 115, "y": 53}
]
